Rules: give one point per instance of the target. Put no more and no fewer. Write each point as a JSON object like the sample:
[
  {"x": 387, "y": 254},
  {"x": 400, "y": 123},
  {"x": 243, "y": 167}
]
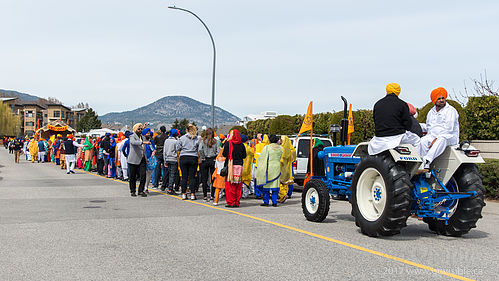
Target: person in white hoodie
[
  {"x": 188, "y": 146},
  {"x": 170, "y": 155}
]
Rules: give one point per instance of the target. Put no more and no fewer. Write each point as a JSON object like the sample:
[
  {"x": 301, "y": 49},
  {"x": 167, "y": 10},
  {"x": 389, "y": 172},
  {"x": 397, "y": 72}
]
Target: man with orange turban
[
  {"x": 392, "y": 123},
  {"x": 442, "y": 127}
]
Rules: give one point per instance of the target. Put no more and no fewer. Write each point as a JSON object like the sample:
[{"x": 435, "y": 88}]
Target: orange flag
[
  {"x": 350, "y": 123},
  {"x": 307, "y": 126},
  {"x": 307, "y": 122}
]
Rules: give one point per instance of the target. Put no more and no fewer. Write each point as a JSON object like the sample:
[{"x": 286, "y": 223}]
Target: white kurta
[
  {"x": 122, "y": 157},
  {"x": 380, "y": 144},
  {"x": 443, "y": 126}
]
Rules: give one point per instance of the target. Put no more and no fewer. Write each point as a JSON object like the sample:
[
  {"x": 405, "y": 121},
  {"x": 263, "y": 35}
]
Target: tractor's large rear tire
[
  {"x": 315, "y": 200},
  {"x": 469, "y": 210},
  {"x": 380, "y": 196}
]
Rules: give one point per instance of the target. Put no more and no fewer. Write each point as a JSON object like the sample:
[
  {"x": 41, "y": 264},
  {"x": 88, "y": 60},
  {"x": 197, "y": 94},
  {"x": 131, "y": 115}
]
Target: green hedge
[
  {"x": 490, "y": 175},
  {"x": 482, "y": 116}
]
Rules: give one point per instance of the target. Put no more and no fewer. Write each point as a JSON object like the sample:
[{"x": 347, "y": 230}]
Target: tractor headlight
[{"x": 464, "y": 145}]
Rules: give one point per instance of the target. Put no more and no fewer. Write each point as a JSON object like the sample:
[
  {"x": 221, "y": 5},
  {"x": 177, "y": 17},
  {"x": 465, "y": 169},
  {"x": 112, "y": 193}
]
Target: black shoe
[
  {"x": 72, "y": 171},
  {"x": 235, "y": 206},
  {"x": 172, "y": 192},
  {"x": 142, "y": 194},
  {"x": 133, "y": 194},
  {"x": 229, "y": 206},
  {"x": 264, "y": 205},
  {"x": 163, "y": 188},
  {"x": 274, "y": 205}
]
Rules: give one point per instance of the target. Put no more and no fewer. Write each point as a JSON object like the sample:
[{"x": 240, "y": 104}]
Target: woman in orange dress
[{"x": 218, "y": 180}]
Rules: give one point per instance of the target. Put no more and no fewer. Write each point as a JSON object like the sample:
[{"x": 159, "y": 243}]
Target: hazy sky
[{"x": 272, "y": 55}]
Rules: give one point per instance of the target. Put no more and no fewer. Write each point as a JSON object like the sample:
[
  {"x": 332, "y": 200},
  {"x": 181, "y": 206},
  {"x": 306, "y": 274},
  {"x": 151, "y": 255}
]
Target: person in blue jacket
[{"x": 150, "y": 151}]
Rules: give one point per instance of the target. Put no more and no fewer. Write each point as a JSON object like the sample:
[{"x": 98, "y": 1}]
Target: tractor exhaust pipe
[
  {"x": 344, "y": 123},
  {"x": 345, "y": 104}
]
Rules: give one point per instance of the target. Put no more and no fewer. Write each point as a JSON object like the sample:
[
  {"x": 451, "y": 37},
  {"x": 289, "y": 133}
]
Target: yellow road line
[{"x": 353, "y": 246}]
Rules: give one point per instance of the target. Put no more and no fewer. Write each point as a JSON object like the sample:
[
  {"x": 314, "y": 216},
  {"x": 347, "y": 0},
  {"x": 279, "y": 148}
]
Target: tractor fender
[
  {"x": 450, "y": 160},
  {"x": 412, "y": 159}
]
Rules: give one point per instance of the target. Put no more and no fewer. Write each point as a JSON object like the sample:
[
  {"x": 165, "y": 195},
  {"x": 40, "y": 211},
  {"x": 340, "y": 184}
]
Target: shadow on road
[{"x": 418, "y": 231}]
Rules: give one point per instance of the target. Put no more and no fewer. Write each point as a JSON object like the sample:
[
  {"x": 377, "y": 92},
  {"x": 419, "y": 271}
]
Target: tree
[
  {"x": 482, "y": 116},
  {"x": 176, "y": 124},
  {"x": 80, "y": 105},
  {"x": 258, "y": 127},
  {"x": 283, "y": 125},
  {"x": 364, "y": 126},
  {"x": 183, "y": 124},
  {"x": 89, "y": 121},
  {"x": 481, "y": 87},
  {"x": 241, "y": 130},
  {"x": 8, "y": 121},
  {"x": 53, "y": 100}
]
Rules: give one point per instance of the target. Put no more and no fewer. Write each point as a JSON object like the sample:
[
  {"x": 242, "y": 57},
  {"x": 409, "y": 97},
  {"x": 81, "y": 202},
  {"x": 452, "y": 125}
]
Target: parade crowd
[
  {"x": 231, "y": 166},
  {"x": 234, "y": 165}
]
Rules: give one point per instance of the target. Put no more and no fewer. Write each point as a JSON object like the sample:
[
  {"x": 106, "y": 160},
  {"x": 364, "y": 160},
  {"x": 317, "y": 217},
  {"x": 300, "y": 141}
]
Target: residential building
[
  {"x": 77, "y": 115},
  {"x": 59, "y": 112},
  {"x": 32, "y": 116},
  {"x": 11, "y": 102}
]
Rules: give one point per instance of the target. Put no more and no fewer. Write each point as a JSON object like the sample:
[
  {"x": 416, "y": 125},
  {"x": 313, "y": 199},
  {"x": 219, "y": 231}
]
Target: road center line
[{"x": 353, "y": 246}]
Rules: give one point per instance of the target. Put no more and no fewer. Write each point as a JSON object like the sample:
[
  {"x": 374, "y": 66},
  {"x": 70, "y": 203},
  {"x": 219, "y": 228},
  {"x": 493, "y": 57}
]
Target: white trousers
[
  {"x": 125, "y": 172},
  {"x": 70, "y": 162},
  {"x": 380, "y": 144},
  {"x": 41, "y": 156},
  {"x": 119, "y": 172},
  {"x": 148, "y": 179},
  {"x": 429, "y": 154}
]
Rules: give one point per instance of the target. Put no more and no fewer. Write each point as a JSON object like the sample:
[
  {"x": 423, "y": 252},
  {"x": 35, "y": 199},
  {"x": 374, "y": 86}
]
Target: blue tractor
[{"x": 385, "y": 189}]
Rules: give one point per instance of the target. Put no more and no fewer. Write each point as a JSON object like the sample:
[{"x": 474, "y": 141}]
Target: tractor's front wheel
[
  {"x": 315, "y": 200},
  {"x": 468, "y": 210},
  {"x": 380, "y": 196}
]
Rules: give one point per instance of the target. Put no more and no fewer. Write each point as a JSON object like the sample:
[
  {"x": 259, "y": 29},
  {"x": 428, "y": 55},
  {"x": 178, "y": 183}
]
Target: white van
[{"x": 302, "y": 146}]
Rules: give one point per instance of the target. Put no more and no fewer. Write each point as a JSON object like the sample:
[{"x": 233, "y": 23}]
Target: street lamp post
[{"x": 214, "y": 63}]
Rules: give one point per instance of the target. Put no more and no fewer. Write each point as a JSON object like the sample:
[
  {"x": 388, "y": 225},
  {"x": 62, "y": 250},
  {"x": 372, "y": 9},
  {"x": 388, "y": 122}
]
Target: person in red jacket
[{"x": 235, "y": 152}]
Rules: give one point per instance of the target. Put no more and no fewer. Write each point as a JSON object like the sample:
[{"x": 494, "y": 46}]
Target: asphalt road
[{"x": 55, "y": 226}]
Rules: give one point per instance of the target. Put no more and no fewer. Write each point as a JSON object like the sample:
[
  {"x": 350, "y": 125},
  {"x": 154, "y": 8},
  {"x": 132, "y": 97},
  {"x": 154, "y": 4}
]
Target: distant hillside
[
  {"x": 167, "y": 109},
  {"x": 22, "y": 97}
]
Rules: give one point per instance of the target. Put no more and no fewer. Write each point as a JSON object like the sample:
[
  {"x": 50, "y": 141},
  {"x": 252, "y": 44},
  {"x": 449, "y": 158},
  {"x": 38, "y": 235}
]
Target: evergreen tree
[
  {"x": 183, "y": 124},
  {"x": 88, "y": 122},
  {"x": 176, "y": 124}
]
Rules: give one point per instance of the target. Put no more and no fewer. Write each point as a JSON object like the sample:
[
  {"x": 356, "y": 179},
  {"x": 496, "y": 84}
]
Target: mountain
[
  {"x": 22, "y": 97},
  {"x": 167, "y": 109}
]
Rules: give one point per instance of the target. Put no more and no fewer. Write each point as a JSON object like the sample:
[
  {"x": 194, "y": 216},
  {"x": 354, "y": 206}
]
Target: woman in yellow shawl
[
  {"x": 247, "y": 165},
  {"x": 264, "y": 141},
  {"x": 33, "y": 149},
  {"x": 269, "y": 170},
  {"x": 287, "y": 159}
]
